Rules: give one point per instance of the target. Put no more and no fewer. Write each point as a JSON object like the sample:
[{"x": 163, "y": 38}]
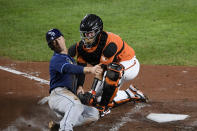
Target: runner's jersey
[{"x": 62, "y": 68}]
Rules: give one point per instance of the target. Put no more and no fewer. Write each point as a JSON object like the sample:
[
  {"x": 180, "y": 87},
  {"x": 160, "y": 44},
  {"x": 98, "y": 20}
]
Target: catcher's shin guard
[{"x": 112, "y": 78}]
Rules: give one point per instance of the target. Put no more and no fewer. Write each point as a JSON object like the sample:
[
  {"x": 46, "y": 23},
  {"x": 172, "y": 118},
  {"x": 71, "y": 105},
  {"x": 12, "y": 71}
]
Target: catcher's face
[
  {"x": 88, "y": 37},
  {"x": 89, "y": 41}
]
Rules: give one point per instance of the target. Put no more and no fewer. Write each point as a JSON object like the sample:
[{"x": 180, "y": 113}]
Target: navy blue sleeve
[
  {"x": 70, "y": 68},
  {"x": 61, "y": 65},
  {"x": 81, "y": 77}
]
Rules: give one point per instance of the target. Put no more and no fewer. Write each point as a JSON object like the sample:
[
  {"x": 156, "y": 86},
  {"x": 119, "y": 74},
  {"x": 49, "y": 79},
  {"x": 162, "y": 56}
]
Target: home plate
[{"x": 161, "y": 118}]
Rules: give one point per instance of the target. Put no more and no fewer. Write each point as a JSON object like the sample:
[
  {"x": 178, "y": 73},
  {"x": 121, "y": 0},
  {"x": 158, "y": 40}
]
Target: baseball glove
[{"x": 87, "y": 98}]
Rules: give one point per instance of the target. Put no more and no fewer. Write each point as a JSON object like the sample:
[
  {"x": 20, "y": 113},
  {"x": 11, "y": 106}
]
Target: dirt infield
[{"x": 171, "y": 89}]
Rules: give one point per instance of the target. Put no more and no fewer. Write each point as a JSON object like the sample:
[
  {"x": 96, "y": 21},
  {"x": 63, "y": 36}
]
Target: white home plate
[{"x": 161, "y": 118}]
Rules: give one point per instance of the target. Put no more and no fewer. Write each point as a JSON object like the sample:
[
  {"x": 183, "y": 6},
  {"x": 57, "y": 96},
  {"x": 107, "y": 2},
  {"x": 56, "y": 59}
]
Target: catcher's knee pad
[
  {"x": 112, "y": 79},
  {"x": 114, "y": 74}
]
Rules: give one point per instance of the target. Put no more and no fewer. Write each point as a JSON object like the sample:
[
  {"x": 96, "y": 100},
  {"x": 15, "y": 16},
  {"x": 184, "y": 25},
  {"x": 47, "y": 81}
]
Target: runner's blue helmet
[{"x": 52, "y": 35}]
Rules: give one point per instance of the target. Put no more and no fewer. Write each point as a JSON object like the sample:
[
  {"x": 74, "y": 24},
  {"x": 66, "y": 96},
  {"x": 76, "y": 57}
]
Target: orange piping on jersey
[{"x": 130, "y": 66}]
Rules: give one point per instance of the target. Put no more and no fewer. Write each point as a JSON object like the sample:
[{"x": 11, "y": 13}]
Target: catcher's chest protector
[{"x": 93, "y": 58}]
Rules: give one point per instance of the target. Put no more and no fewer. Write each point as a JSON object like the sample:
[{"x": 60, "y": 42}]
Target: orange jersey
[
  {"x": 126, "y": 54},
  {"x": 109, "y": 48}
]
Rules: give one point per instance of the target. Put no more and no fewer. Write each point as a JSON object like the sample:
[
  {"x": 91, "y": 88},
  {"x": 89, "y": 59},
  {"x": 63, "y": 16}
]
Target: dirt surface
[{"x": 171, "y": 89}]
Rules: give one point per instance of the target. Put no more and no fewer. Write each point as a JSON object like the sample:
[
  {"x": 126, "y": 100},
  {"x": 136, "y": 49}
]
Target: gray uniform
[{"x": 69, "y": 109}]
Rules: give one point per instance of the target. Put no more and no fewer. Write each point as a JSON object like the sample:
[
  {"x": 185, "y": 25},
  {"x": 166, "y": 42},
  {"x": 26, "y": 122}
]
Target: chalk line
[
  {"x": 21, "y": 120},
  {"x": 127, "y": 117},
  {"x": 115, "y": 127},
  {"x": 42, "y": 81}
]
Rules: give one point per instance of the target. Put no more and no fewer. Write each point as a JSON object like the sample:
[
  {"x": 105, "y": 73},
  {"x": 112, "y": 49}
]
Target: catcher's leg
[
  {"x": 136, "y": 95},
  {"x": 111, "y": 81},
  {"x": 131, "y": 70},
  {"x": 131, "y": 94}
]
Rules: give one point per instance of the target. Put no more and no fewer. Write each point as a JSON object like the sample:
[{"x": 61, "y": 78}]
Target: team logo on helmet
[{"x": 52, "y": 34}]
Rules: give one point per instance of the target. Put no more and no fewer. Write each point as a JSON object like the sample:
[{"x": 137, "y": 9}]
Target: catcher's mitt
[{"x": 87, "y": 98}]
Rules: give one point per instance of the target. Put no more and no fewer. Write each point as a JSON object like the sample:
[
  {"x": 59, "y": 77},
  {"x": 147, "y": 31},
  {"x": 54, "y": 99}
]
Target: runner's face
[{"x": 60, "y": 43}]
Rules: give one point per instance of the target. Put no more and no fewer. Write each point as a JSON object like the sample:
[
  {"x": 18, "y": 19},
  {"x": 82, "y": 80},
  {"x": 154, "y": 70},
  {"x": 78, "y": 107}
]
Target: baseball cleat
[
  {"x": 136, "y": 95},
  {"x": 103, "y": 110},
  {"x": 107, "y": 111}
]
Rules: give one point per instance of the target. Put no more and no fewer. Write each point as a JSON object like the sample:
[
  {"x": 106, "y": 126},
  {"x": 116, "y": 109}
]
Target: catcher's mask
[{"x": 90, "y": 26}]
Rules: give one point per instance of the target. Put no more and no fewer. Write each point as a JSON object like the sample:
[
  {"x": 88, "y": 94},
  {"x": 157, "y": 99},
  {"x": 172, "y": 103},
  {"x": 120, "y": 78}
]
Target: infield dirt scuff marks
[{"x": 128, "y": 116}]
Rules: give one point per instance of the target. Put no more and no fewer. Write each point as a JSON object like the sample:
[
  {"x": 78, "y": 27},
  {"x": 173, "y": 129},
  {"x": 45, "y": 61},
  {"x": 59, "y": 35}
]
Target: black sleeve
[
  {"x": 110, "y": 50},
  {"x": 72, "y": 50},
  {"x": 81, "y": 77}
]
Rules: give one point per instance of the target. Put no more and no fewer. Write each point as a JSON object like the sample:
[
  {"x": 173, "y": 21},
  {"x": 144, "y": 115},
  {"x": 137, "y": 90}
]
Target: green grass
[{"x": 162, "y": 32}]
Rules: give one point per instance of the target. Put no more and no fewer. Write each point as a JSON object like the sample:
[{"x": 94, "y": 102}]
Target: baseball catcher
[{"x": 117, "y": 58}]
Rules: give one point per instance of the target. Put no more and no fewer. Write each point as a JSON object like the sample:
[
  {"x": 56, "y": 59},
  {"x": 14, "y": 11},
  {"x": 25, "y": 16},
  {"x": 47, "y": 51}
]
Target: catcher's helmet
[
  {"x": 90, "y": 24},
  {"x": 52, "y": 35}
]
